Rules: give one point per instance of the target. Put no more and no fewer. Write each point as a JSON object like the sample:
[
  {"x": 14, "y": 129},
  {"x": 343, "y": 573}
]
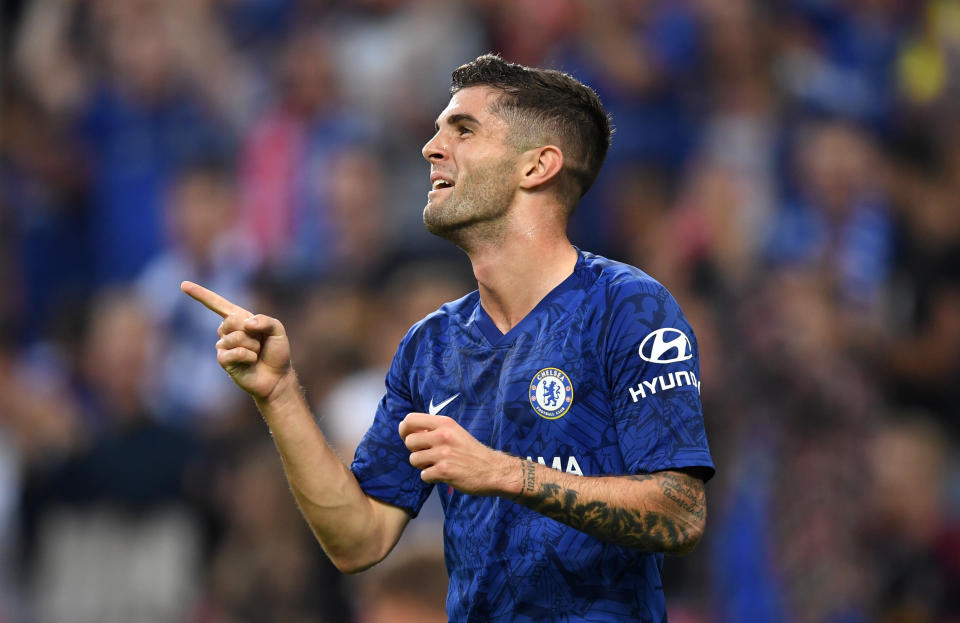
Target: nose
[{"x": 433, "y": 150}]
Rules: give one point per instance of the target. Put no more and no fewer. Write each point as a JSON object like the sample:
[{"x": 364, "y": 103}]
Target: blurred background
[{"x": 789, "y": 169}]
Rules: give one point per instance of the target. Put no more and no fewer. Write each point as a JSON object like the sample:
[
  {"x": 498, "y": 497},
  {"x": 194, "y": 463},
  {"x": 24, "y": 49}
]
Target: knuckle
[{"x": 233, "y": 322}]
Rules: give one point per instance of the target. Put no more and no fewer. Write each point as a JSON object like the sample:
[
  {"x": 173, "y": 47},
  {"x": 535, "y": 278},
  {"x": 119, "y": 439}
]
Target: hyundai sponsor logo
[{"x": 666, "y": 346}]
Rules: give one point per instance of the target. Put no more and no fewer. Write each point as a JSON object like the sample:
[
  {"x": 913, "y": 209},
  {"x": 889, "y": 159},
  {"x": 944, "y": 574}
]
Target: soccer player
[{"x": 557, "y": 408}]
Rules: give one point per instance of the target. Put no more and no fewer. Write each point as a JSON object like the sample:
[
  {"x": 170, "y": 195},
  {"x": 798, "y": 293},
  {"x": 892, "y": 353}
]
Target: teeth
[{"x": 440, "y": 184}]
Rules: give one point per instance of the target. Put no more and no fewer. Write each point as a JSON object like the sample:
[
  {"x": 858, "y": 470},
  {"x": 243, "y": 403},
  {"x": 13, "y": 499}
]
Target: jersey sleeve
[
  {"x": 382, "y": 462},
  {"x": 653, "y": 367}
]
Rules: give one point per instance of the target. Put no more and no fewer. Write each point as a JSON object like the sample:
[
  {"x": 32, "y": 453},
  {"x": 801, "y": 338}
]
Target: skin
[{"x": 503, "y": 211}]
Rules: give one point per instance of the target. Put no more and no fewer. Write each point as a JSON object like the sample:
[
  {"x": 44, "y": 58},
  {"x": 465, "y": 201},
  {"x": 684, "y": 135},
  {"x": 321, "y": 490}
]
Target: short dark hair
[{"x": 547, "y": 106}]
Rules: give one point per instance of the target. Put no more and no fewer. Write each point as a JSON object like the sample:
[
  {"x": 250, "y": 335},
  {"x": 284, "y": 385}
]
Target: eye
[{"x": 463, "y": 131}]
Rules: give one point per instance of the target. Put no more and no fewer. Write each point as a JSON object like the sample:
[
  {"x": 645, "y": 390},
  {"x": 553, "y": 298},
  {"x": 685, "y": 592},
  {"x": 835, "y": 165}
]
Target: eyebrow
[{"x": 457, "y": 118}]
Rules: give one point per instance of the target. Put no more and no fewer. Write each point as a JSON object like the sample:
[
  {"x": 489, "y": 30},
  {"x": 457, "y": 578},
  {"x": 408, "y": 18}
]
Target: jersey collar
[{"x": 496, "y": 338}]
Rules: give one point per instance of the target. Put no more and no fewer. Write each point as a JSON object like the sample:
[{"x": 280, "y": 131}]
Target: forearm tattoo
[
  {"x": 653, "y": 528},
  {"x": 685, "y": 491},
  {"x": 528, "y": 477}
]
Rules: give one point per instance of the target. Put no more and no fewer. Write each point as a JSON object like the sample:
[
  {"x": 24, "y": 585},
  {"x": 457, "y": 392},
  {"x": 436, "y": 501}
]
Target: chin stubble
[{"x": 476, "y": 203}]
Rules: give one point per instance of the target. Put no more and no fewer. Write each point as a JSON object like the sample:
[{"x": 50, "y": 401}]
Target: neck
[{"x": 516, "y": 271}]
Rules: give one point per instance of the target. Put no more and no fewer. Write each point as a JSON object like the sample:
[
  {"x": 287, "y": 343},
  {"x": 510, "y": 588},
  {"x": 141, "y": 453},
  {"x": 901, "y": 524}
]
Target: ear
[{"x": 540, "y": 165}]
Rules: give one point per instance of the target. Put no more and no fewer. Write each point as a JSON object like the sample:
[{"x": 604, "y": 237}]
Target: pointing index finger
[{"x": 211, "y": 300}]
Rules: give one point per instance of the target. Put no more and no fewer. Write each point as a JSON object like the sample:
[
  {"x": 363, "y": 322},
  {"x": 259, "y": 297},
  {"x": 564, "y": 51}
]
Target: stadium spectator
[
  {"x": 838, "y": 222},
  {"x": 919, "y": 353},
  {"x": 113, "y": 534},
  {"x": 410, "y": 590},
  {"x": 136, "y": 121},
  {"x": 915, "y": 543},
  {"x": 202, "y": 240},
  {"x": 286, "y": 162},
  {"x": 44, "y": 256},
  {"x": 263, "y": 567}
]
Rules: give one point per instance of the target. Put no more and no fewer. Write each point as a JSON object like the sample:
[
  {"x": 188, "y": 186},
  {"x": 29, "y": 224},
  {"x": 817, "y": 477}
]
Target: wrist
[
  {"x": 503, "y": 476},
  {"x": 286, "y": 392},
  {"x": 524, "y": 478}
]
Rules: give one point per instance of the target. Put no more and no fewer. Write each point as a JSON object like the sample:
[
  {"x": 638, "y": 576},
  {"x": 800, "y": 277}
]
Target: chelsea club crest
[{"x": 551, "y": 393}]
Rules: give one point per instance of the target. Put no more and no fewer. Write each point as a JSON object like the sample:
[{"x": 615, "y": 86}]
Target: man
[{"x": 560, "y": 359}]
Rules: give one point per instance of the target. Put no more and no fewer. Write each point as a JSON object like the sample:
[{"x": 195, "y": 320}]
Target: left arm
[{"x": 659, "y": 512}]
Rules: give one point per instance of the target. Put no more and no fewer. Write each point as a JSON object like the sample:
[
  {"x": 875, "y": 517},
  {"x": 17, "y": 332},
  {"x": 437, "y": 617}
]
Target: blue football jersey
[{"x": 600, "y": 378}]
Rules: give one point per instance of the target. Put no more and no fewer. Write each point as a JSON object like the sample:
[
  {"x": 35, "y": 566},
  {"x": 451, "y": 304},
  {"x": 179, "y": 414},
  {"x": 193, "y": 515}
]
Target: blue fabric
[
  {"x": 48, "y": 247},
  {"x": 860, "y": 247},
  {"x": 856, "y": 51},
  {"x": 748, "y": 589},
  {"x": 134, "y": 151},
  {"x": 316, "y": 233},
  {"x": 627, "y": 415}
]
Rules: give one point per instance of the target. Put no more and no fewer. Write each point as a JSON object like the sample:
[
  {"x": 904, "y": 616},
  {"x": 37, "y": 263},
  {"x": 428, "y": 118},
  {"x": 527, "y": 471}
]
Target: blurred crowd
[{"x": 789, "y": 169}]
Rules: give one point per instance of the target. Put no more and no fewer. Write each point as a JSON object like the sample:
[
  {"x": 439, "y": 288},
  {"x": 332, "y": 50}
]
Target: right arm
[
  {"x": 355, "y": 530},
  {"x": 44, "y": 59}
]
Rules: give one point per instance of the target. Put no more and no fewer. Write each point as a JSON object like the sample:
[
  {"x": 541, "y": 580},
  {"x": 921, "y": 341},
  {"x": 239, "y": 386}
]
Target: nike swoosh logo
[{"x": 435, "y": 409}]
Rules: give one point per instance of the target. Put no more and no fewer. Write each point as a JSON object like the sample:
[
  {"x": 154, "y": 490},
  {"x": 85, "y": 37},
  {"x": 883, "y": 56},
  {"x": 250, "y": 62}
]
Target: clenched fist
[{"x": 446, "y": 452}]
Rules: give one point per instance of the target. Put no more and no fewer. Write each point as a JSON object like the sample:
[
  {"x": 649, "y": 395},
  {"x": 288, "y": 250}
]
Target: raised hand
[{"x": 253, "y": 348}]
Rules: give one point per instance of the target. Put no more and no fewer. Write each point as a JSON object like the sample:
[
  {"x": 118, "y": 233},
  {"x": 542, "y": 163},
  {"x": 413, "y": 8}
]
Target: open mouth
[{"x": 441, "y": 184}]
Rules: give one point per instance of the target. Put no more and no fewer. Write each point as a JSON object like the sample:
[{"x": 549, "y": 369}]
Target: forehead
[{"x": 474, "y": 101}]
